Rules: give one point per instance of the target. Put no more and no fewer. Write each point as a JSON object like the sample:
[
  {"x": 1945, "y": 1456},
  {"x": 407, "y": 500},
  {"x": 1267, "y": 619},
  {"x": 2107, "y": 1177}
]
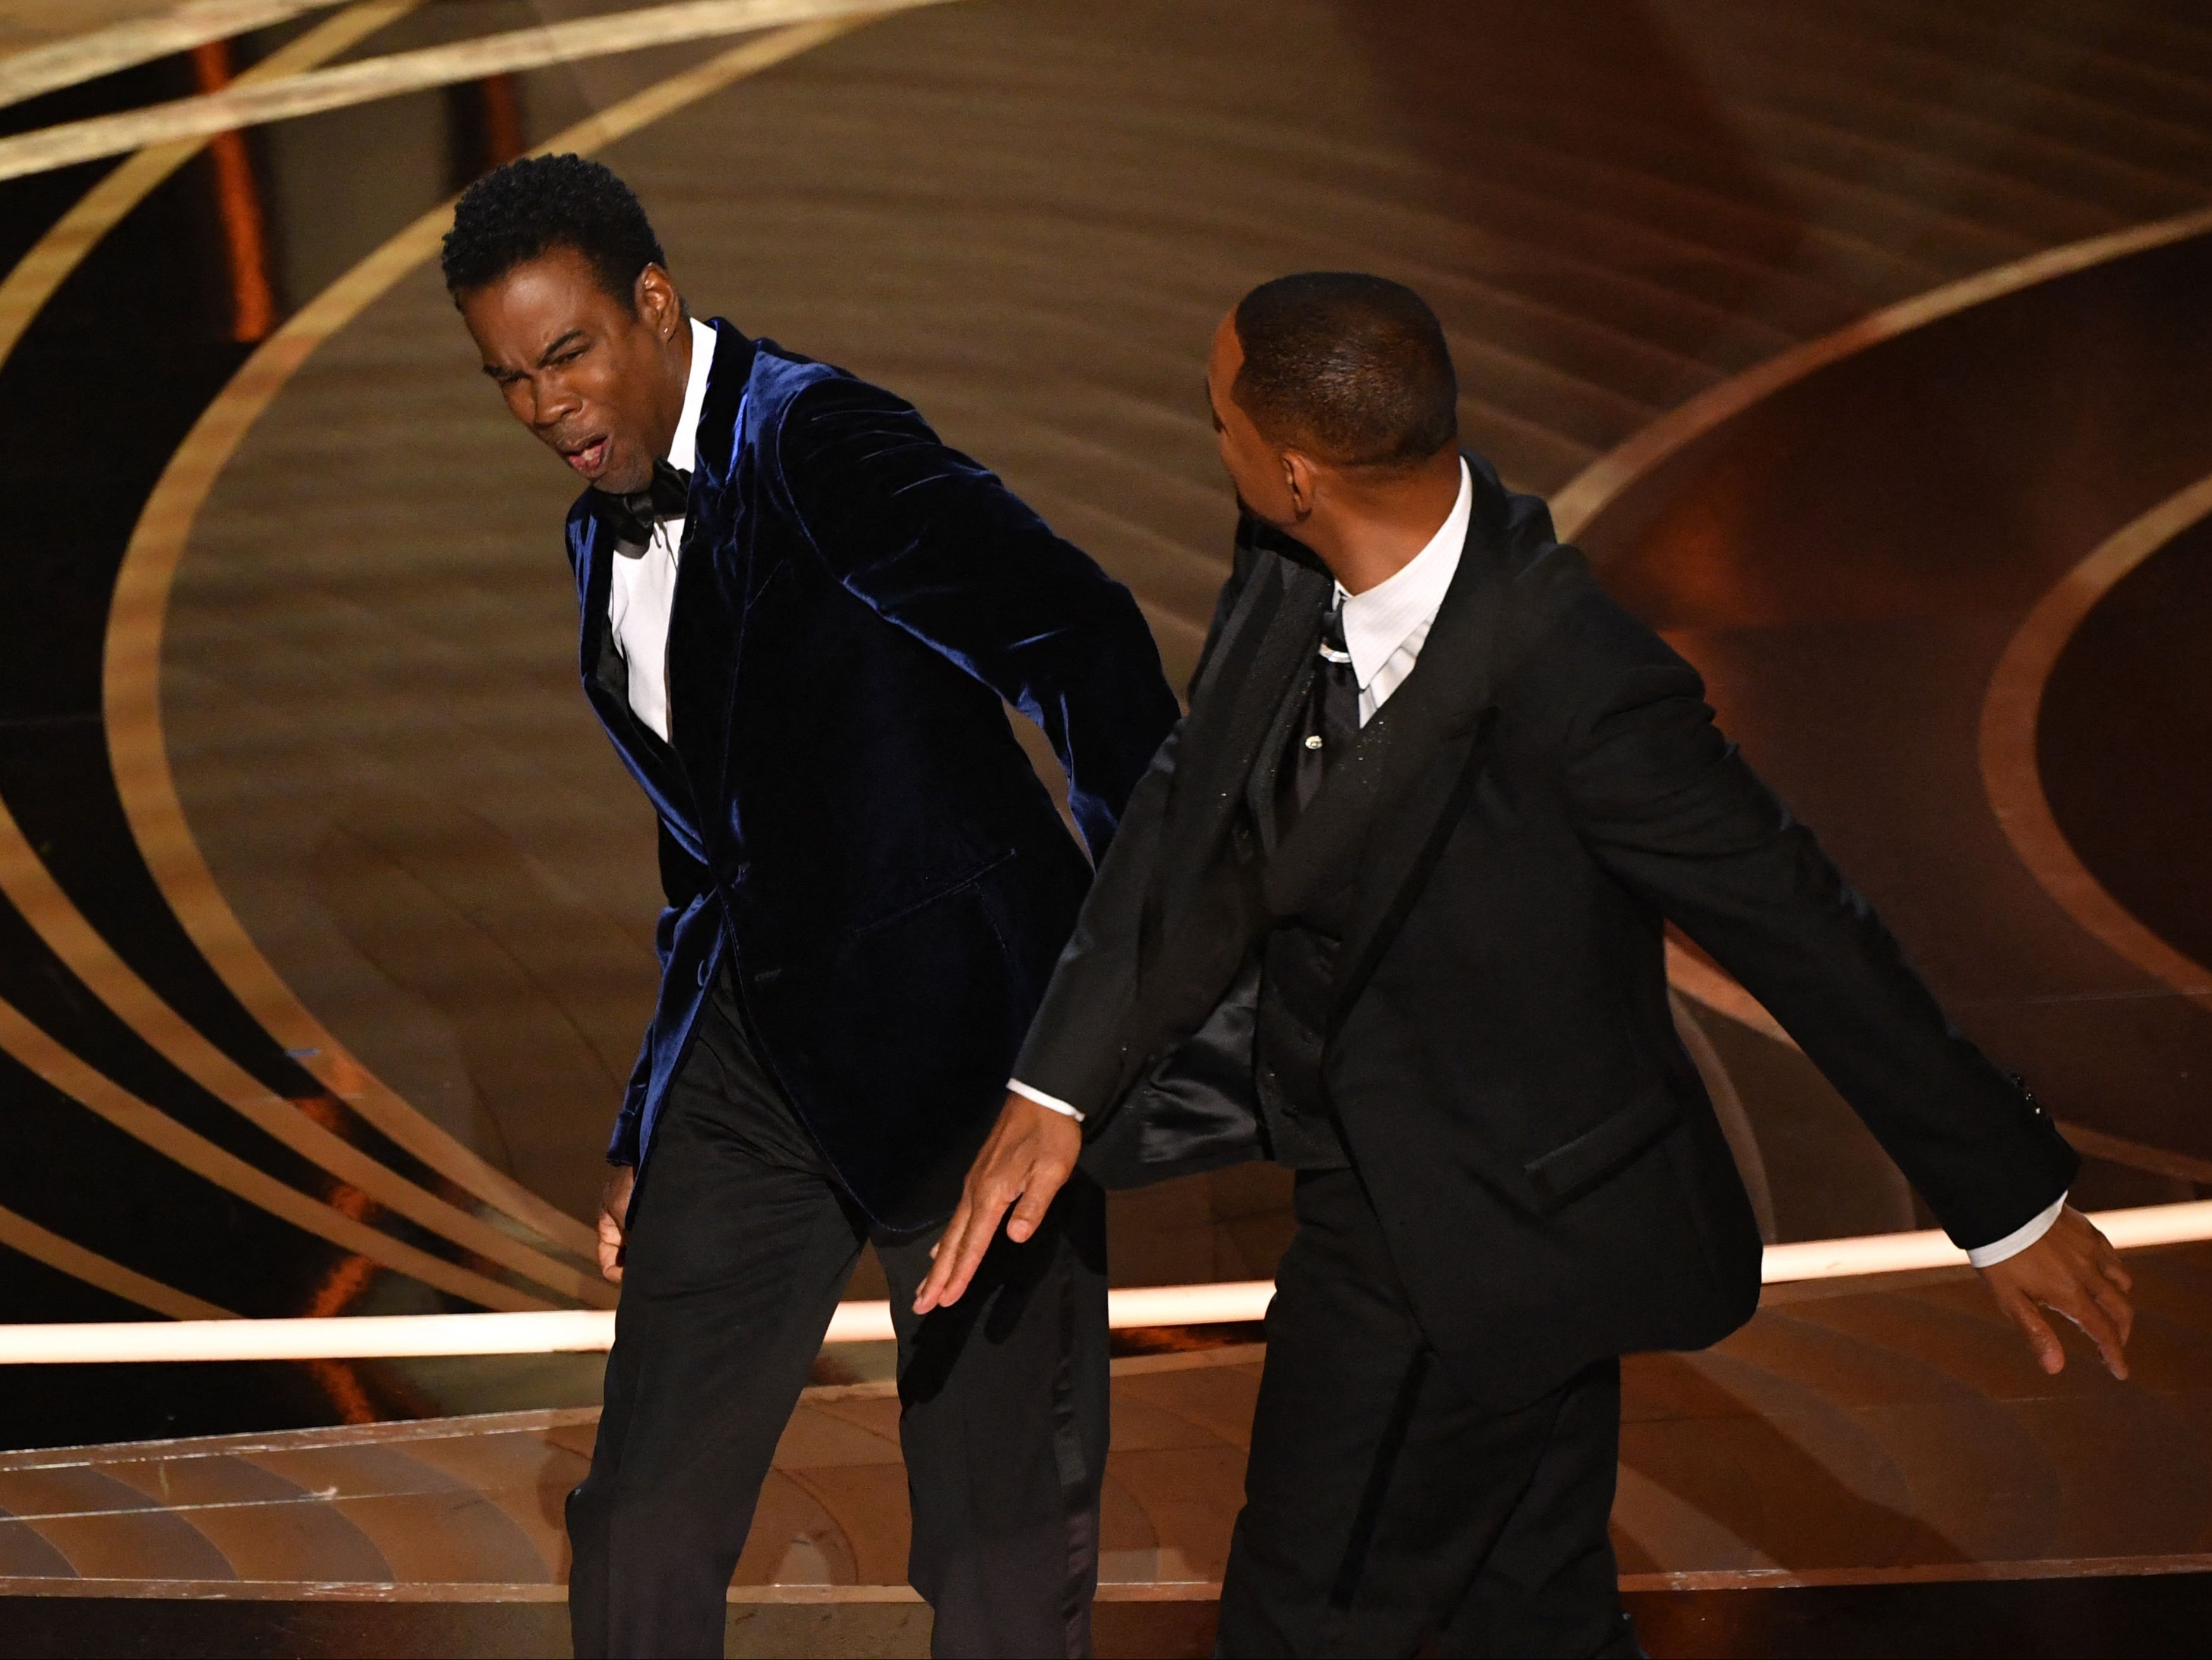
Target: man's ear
[
  {"x": 656, "y": 299},
  {"x": 1299, "y": 480}
]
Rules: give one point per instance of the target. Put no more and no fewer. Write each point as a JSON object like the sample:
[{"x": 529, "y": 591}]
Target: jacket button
[{"x": 706, "y": 972}]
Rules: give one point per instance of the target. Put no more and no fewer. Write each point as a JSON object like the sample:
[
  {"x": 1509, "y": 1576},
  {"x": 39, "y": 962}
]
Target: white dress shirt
[
  {"x": 1384, "y": 629},
  {"x": 1385, "y": 626},
  {"x": 643, "y": 589}
]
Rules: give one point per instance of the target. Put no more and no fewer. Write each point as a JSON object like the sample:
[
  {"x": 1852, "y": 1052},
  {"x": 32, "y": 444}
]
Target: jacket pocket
[
  {"x": 937, "y": 890},
  {"x": 1573, "y": 1168}
]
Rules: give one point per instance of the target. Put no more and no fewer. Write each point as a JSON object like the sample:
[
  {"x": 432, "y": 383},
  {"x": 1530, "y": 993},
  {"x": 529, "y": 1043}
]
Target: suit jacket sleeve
[
  {"x": 936, "y": 544},
  {"x": 683, "y": 879},
  {"x": 1077, "y": 1044},
  {"x": 1674, "y": 812}
]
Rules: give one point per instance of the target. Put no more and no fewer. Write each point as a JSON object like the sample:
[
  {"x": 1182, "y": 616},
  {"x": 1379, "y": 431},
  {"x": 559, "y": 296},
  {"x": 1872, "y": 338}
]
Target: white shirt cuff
[
  {"x": 1988, "y": 1256},
  {"x": 1043, "y": 1100}
]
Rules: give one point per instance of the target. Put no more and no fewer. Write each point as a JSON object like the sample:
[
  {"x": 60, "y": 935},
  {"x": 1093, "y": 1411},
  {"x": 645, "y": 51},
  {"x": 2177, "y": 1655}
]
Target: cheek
[{"x": 1251, "y": 477}]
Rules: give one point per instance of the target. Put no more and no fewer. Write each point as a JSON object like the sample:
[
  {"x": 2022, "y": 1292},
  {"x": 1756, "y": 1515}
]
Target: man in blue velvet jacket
[{"x": 802, "y": 617}]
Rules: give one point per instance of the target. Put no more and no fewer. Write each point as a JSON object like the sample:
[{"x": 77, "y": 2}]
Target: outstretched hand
[
  {"x": 1032, "y": 1152},
  {"x": 2073, "y": 1271}
]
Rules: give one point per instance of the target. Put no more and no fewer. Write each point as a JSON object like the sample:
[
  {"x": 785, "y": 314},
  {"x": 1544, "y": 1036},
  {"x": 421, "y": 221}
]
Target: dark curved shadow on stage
[
  {"x": 2125, "y": 741},
  {"x": 1846, "y": 560}
]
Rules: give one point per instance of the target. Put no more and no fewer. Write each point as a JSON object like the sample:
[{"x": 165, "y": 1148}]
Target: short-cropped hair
[
  {"x": 526, "y": 209},
  {"x": 1351, "y": 368}
]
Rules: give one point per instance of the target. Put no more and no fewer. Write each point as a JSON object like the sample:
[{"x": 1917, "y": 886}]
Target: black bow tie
[{"x": 633, "y": 515}]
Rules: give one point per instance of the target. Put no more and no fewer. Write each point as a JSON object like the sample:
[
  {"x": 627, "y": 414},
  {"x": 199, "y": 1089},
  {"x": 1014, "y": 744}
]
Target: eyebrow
[
  {"x": 551, "y": 351},
  {"x": 499, "y": 373}
]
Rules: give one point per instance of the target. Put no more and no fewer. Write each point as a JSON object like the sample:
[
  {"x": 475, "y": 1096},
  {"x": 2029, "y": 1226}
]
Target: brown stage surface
[
  {"x": 1857, "y": 1437},
  {"x": 324, "y": 914}
]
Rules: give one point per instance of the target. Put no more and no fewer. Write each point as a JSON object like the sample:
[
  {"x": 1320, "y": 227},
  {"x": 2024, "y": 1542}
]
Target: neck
[{"x": 1367, "y": 533}]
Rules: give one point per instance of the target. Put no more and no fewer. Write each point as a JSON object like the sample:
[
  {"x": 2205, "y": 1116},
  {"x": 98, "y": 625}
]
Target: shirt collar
[
  {"x": 683, "y": 448},
  {"x": 1378, "y": 622}
]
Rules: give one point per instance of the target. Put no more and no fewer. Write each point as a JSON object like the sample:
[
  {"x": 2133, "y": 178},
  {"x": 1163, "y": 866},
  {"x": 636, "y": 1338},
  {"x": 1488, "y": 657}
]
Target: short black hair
[
  {"x": 1353, "y": 369},
  {"x": 516, "y": 213}
]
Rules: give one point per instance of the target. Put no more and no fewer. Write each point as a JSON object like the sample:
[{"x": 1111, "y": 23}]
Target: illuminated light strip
[
  {"x": 308, "y": 94},
  {"x": 562, "y": 1331},
  {"x": 82, "y": 58},
  {"x": 585, "y": 1330},
  {"x": 1895, "y": 1253}
]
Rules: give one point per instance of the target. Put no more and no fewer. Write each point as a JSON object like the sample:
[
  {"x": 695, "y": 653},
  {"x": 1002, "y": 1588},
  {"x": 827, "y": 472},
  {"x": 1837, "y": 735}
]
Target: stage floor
[
  {"x": 326, "y": 913},
  {"x": 1857, "y": 1434}
]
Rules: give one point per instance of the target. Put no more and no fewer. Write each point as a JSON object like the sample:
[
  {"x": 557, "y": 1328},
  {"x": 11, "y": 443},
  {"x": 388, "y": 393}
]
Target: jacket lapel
[
  {"x": 1200, "y": 904},
  {"x": 707, "y": 611},
  {"x": 606, "y": 683},
  {"x": 1255, "y": 664},
  {"x": 1401, "y": 803}
]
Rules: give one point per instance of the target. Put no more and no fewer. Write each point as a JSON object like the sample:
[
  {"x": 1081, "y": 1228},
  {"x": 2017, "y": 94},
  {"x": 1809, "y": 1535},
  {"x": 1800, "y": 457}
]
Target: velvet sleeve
[
  {"x": 621, "y": 1143},
  {"x": 683, "y": 879},
  {"x": 1674, "y": 812},
  {"x": 936, "y": 544}
]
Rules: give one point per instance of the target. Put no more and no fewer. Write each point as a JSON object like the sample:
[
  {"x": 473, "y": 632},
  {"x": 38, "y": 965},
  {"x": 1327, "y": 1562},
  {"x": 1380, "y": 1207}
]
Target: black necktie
[
  {"x": 1327, "y": 726},
  {"x": 633, "y": 516}
]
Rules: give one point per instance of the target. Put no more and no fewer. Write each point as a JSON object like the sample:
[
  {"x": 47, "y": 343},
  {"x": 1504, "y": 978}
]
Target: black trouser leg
[
  {"x": 1005, "y": 1425},
  {"x": 737, "y": 1250},
  {"x": 740, "y": 1246},
  {"x": 1383, "y": 1507}
]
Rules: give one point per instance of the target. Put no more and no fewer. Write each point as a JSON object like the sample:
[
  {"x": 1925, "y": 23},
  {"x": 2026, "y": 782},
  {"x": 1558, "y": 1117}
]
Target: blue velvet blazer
[{"x": 846, "y": 822}]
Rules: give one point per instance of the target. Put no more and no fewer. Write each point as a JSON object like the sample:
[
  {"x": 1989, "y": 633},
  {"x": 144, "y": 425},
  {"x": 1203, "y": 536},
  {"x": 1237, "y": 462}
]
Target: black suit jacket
[
  {"x": 846, "y": 818},
  {"x": 1515, "y": 823}
]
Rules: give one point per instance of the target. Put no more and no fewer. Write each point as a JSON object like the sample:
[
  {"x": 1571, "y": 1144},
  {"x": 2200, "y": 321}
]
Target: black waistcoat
[{"x": 1297, "y": 977}]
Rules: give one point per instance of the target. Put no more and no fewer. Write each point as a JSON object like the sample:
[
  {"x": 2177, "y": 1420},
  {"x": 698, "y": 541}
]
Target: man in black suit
[
  {"x": 802, "y": 619},
  {"x": 1389, "y": 904}
]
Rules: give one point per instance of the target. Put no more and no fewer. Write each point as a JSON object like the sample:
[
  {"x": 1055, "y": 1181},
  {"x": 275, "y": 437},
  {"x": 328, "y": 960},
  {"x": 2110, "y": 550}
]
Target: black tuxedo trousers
[
  {"x": 1385, "y": 1509},
  {"x": 740, "y": 1244},
  {"x": 1541, "y": 1182}
]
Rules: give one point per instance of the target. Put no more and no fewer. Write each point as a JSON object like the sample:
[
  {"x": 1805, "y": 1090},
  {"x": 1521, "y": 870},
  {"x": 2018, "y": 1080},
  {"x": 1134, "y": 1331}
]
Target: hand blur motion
[
  {"x": 614, "y": 1216},
  {"x": 2072, "y": 1271},
  {"x": 1030, "y": 1154}
]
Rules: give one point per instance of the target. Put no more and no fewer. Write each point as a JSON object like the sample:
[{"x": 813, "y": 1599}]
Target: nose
[{"x": 550, "y": 403}]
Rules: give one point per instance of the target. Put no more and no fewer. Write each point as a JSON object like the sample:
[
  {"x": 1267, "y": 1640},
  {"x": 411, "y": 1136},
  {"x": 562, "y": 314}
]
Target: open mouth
[{"x": 589, "y": 457}]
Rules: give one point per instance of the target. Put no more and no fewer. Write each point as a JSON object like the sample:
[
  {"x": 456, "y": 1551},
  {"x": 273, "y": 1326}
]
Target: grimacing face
[{"x": 599, "y": 382}]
